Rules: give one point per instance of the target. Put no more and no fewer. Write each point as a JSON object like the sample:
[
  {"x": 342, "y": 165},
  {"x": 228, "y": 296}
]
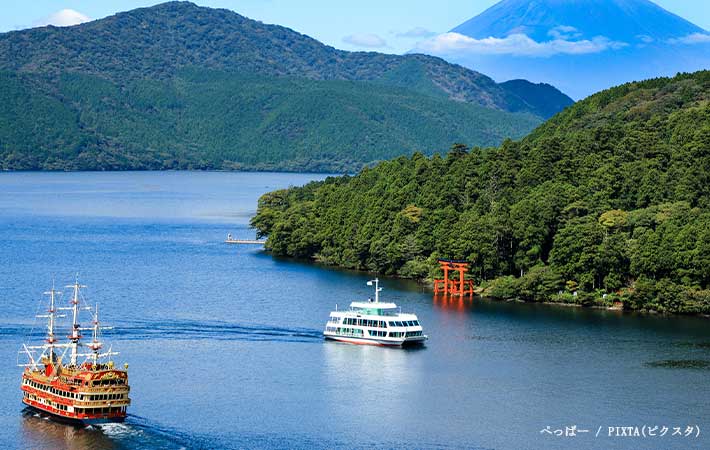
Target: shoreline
[{"x": 481, "y": 292}]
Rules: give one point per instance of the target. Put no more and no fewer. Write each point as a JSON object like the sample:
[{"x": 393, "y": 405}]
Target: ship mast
[
  {"x": 75, "y": 336},
  {"x": 51, "y": 322},
  {"x": 51, "y": 314},
  {"x": 51, "y": 339},
  {"x": 95, "y": 345}
]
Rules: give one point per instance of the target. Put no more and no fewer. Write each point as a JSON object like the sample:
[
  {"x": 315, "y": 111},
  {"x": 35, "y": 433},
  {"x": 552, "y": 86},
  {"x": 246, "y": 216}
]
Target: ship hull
[
  {"x": 377, "y": 342},
  {"x": 29, "y": 409}
]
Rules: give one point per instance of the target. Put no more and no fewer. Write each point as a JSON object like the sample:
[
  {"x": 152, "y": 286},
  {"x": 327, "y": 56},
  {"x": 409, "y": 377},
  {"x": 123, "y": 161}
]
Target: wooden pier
[{"x": 245, "y": 241}]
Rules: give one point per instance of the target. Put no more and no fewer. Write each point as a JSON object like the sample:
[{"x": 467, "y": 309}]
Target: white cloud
[
  {"x": 565, "y": 32},
  {"x": 646, "y": 39},
  {"x": 416, "y": 32},
  {"x": 514, "y": 44},
  {"x": 694, "y": 38},
  {"x": 369, "y": 40},
  {"x": 63, "y": 18}
]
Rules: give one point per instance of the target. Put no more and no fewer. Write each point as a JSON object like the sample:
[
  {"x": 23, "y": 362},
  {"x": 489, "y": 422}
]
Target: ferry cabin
[{"x": 374, "y": 323}]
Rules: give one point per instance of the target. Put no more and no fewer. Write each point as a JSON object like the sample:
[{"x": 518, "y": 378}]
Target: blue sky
[{"x": 391, "y": 26}]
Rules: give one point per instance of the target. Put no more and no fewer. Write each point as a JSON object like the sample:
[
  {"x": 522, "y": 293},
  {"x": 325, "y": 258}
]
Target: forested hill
[
  {"x": 182, "y": 86},
  {"x": 157, "y": 42},
  {"x": 612, "y": 196}
]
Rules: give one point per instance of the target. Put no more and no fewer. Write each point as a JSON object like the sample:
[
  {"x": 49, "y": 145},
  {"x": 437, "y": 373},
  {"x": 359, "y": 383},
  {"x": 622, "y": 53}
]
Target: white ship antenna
[{"x": 378, "y": 289}]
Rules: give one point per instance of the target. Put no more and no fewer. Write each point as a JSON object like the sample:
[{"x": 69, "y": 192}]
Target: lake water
[{"x": 225, "y": 348}]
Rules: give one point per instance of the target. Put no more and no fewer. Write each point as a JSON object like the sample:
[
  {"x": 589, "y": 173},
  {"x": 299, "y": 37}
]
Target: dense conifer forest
[{"x": 606, "y": 203}]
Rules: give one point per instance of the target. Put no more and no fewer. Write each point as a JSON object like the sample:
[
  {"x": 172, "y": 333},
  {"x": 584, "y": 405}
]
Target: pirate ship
[{"x": 72, "y": 380}]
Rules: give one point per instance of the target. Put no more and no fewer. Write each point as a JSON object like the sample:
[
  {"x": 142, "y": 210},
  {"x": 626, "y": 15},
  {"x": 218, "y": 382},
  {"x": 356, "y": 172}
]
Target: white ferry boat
[{"x": 375, "y": 323}]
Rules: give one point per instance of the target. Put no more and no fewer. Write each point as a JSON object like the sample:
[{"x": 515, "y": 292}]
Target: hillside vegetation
[
  {"x": 181, "y": 86},
  {"x": 211, "y": 120},
  {"x": 608, "y": 201}
]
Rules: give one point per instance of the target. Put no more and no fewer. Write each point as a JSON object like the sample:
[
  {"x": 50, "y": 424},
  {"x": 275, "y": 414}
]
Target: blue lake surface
[{"x": 225, "y": 347}]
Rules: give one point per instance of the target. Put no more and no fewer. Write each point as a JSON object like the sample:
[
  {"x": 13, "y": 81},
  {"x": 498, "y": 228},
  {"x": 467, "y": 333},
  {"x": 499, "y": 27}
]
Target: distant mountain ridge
[
  {"x": 177, "y": 86},
  {"x": 579, "y": 46},
  {"x": 154, "y": 42}
]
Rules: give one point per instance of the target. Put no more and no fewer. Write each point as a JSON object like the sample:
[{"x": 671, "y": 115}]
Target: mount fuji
[{"x": 579, "y": 46}]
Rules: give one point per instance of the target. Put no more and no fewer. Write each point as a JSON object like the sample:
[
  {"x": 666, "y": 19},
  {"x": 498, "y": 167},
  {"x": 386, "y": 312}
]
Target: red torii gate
[{"x": 446, "y": 285}]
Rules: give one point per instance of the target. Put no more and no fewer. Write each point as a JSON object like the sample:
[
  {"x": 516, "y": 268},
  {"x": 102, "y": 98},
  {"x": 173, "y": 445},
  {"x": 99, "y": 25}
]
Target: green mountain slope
[
  {"x": 202, "y": 120},
  {"x": 182, "y": 86},
  {"x": 157, "y": 42},
  {"x": 612, "y": 196}
]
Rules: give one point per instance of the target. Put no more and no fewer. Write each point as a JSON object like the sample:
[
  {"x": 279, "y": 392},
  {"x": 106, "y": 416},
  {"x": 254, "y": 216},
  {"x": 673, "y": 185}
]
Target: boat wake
[
  {"x": 213, "y": 330},
  {"x": 119, "y": 430}
]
